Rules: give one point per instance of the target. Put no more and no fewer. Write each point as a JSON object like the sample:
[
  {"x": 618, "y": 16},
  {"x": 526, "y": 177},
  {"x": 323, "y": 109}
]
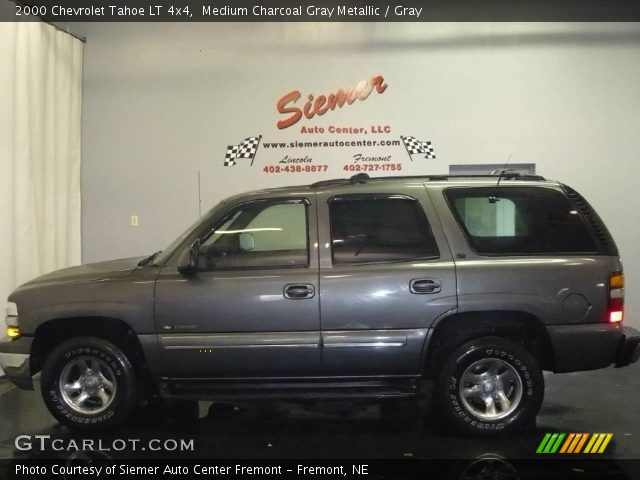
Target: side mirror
[
  {"x": 247, "y": 241},
  {"x": 188, "y": 262}
]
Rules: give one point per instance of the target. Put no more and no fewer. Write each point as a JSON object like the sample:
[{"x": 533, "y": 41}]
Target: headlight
[{"x": 11, "y": 319}]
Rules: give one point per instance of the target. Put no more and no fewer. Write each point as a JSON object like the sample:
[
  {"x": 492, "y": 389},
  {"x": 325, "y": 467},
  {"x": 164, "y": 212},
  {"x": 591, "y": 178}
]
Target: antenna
[
  {"x": 503, "y": 171},
  {"x": 199, "y": 197}
]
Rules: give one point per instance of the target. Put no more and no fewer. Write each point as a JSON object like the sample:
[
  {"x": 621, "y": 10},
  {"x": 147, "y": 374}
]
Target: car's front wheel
[
  {"x": 490, "y": 385},
  {"x": 88, "y": 383}
]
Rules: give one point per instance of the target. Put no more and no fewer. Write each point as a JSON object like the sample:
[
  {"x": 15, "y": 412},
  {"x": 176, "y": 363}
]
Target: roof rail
[
  {"x": 364, "y": 178},
  {"x": 357, "y": 178},
  {"x": 325, "y": 183},
  {"x": 510, "y": 174}
]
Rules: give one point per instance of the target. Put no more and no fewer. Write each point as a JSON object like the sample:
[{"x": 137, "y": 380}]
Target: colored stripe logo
[{"x": 574, "y": 443}]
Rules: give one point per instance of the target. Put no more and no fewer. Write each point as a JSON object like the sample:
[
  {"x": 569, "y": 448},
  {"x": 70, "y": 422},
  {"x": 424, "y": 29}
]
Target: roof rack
[
  {"x": 357, "y": 178},
  {"x": 365, "y": 178},
  {"x": 507, "y": 175}
]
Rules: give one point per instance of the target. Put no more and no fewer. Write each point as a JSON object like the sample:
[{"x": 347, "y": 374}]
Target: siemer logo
[{"x": 321, "y": 104}]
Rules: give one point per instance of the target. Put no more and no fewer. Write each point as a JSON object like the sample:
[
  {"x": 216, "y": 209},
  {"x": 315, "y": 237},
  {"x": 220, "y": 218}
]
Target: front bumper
[
  {"x": 629, "y": 350},
  {"x": 15, "y": 360}
]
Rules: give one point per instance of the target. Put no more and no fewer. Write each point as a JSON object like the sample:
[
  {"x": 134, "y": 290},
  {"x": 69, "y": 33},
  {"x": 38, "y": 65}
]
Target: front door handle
[
  {"x": 298, "y": 291},
  {"x": 425, "y": 285}
]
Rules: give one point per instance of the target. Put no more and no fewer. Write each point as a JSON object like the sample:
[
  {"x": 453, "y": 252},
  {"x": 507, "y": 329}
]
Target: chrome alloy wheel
[
  {"x": 490, "y": 389},
  {"x": 88, "y": 385}
]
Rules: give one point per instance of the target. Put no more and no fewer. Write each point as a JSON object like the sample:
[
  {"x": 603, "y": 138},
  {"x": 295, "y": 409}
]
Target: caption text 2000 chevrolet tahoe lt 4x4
[{"x": 355, "y": 289}]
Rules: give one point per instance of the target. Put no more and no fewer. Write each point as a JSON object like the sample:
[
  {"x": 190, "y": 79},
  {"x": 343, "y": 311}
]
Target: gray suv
[{"x": 357, "y": 288}]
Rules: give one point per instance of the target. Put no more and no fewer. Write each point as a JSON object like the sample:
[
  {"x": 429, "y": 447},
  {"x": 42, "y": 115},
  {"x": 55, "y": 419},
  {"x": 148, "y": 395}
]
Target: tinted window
[
  {"x": 520, "y": 220},
  {"x": 258, "y": 235},
  {"x": 371, "y": 229}
]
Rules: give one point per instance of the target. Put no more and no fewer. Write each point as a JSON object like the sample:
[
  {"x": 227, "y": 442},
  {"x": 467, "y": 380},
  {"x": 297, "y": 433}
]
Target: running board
[{"x": 299, "y": 390}]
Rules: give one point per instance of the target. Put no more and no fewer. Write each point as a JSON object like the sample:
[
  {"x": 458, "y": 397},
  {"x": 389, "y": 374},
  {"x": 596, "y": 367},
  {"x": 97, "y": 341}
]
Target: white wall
[{"x": 163, "y": 101}]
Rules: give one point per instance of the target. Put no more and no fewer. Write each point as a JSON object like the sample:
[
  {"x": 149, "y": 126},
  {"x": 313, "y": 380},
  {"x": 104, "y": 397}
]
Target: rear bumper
[
  {"x": 593, "y": 345},
  {"x": 15, "y": 360},
  {"x": 629, "y": 350}
]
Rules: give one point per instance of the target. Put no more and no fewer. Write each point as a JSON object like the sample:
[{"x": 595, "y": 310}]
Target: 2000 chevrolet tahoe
[{"x": 356, "y": 288}]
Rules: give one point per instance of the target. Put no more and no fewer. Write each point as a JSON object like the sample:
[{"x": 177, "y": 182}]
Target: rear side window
[
  {"x": 379, "y": 229},
  {"x": 520, "y": 221}
]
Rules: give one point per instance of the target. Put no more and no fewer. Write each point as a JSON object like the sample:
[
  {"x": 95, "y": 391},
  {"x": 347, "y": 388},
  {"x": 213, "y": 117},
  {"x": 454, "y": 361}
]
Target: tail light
[{"x": 616, "y": 297}]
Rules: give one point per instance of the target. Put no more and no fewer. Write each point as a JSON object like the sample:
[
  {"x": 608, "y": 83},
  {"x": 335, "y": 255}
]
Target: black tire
[
  {"x": 492, "y": 405},
  {"x": 94, "y": 369}
]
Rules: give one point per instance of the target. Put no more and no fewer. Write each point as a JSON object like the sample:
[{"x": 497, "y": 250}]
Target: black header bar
[
  {"x": 95, "y": 468},
  {"x": 321, "y": 10}
]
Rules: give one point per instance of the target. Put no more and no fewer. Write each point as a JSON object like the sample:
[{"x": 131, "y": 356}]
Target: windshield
[{"x": 166, "y": 253}]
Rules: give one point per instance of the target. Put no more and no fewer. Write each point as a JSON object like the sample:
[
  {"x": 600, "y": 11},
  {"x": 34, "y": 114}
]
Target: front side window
[
  {"x": 379, "y": 229},
  {"x": 520, "y": 221},
  {"x": 258, "y": 235}
]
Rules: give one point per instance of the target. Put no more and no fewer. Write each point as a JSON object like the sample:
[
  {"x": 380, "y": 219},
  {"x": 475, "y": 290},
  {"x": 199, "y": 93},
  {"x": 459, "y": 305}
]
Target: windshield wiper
[{"x": 149, "y": 259}]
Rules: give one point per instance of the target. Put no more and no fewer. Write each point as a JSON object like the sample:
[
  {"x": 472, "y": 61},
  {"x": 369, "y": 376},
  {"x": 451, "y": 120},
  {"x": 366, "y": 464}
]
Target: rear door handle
[
  {"x": 298, "y": 291},
  {"x": 425, "y": 285}
]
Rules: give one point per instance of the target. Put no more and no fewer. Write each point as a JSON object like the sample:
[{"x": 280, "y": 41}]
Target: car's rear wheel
[
  {"x": 490, "y": 385},
  {"x": 88, "y": 383}
]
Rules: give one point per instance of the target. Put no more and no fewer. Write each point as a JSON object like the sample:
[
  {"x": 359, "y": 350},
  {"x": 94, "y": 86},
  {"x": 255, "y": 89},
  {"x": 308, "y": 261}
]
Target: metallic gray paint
[
  {"x": 250, "y": 308},
  {"x": 126, "y": 295},
  {"x": 236, "y": 303},
  {"x": 535, "y": 284},
  {"x": 373, "y": 297},
  {"x": 373, "y": 352}
]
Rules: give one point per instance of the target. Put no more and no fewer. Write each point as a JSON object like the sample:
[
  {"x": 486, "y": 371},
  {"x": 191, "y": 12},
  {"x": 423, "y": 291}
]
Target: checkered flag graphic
[
  {"x": 414, "y": 146},
  {"x": 245, "y": 149}
]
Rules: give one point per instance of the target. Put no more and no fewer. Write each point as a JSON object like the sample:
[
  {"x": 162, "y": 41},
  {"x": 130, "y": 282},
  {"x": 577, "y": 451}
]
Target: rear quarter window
[{"x": 520, "y": 221}]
